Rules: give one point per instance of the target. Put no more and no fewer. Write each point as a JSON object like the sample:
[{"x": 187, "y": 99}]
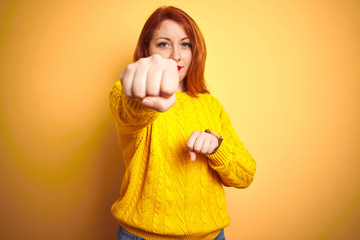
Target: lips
[{"x": 179, "y": 68}]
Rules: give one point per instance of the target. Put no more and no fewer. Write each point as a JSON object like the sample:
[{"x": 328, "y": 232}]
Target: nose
[{"x": 175, "y": 54}]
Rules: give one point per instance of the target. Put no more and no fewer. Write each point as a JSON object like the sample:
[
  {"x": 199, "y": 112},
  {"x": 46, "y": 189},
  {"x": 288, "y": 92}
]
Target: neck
[{"x": 181, "y": 87}]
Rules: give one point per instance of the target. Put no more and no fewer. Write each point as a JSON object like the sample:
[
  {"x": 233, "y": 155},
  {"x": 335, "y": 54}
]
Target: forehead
[{"x": 170, "y": 29}]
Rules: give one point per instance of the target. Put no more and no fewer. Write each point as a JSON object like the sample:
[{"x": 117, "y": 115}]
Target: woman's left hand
[{"x": 201, "y": 142}]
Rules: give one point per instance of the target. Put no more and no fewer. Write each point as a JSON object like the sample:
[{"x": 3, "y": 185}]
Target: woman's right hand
[{"x": 154, "y": 80}]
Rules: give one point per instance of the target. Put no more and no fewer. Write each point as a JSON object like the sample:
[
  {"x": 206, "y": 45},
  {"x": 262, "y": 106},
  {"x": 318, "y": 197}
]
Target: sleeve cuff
[
  {"x": 136, "y": 104},
  {"x": 221, "y": 156},
  {"x": 130, "y": 112}
]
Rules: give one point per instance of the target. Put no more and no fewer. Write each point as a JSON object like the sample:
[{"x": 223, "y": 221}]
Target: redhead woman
[{"x": 178, "y": 143}]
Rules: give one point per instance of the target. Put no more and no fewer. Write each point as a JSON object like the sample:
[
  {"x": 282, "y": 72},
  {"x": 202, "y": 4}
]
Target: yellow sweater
[{"x": 164, "y": 195}]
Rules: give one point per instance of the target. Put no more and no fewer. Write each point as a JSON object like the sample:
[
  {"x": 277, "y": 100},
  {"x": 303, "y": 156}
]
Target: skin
[
  {"x": 155, "y": 79},
  {"x": 171, "y": 42}
]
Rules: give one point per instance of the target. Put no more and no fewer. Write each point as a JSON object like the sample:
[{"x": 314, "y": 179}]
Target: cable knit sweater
[{"x": 164, "y": 195}]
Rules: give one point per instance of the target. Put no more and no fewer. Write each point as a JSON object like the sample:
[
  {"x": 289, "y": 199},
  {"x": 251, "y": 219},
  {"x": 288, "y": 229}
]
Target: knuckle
[
  {"x": 130, "y": 68},
  {"x": 142, "y": 60},
  {"x": 151, "y": 92},
  {"x": 161, "y": 107},
  {"x": 142, "y": 63},
  {"x": 127, "y": 94},
  {"x": 172, "y": 63},
  {"x": 196, "y": 133},
  {"x": 125, "y": 82},
  {"x": 197, "y": 147},
  {"x": 167, "y": 89},
  {"x": 166, "y": 92},
  {"x": 156, "y": 58},
  {"x": 138, "y": 94}
]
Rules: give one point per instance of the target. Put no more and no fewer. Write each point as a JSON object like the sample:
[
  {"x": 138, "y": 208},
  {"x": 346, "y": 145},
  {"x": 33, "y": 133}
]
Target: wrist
[{"x": 218, "y": 136}]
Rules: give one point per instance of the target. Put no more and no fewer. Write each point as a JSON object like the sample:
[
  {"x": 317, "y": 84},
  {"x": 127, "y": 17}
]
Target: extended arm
[
  {"x": 147, "y": 87},
  {"x": 130, "y": 115}
]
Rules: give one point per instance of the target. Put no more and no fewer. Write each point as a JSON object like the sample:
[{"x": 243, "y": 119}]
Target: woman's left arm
[{"x": 232, "y": 161}]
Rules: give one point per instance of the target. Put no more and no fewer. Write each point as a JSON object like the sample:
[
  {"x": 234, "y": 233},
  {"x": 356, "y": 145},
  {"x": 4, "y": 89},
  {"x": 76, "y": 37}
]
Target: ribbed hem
[
  {"x": 221, "y": 156},
  {"x": 154, "y": 236},
  {"x": 134, "y": 103}
]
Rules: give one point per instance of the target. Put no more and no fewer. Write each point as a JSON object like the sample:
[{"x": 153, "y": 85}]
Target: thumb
[
  {"x": 192, "y": 155},
  {"x": 159, "y": 104}
]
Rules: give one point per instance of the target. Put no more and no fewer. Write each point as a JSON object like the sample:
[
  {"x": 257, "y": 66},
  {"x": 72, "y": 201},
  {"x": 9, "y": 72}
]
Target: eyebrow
[{"x": 170, "y": 39}]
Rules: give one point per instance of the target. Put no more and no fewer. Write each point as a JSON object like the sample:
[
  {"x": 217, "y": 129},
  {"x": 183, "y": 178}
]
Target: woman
[{"x": 175, "y": 171}]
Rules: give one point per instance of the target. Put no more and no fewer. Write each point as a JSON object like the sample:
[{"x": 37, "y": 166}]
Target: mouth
[{"x": 179, "y": 68}]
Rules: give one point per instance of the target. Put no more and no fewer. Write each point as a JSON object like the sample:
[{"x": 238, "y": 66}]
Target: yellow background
[{"x": 287, "y": 72}]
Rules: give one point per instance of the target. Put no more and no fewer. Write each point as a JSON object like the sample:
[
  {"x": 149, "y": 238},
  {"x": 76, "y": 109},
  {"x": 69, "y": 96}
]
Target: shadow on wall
[
  {"x": 112, "y": 169},
  {"x": 111, "y": 174}
]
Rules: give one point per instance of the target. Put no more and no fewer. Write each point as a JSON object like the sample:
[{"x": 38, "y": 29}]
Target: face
[{"x": 171, "y": 41}]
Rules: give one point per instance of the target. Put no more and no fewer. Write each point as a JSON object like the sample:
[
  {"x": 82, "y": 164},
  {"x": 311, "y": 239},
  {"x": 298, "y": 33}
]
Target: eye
[
  {"x": 186, "y": 45},
  {"x": 163, "y": 44}
]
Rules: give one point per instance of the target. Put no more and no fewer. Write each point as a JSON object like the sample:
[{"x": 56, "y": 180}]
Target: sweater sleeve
[
  {"x": 130, "y": 115},
  {"x": 232, "y": 161}
]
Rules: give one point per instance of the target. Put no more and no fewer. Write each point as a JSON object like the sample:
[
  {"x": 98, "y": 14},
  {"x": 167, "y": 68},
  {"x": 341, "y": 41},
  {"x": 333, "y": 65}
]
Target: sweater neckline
[{"x": 181, "y": 93}]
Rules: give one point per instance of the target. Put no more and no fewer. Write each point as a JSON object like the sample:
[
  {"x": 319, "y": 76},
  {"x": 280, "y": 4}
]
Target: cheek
[
  {"x": 151, "y": 50},
  {"x": 188, "y": 59}
]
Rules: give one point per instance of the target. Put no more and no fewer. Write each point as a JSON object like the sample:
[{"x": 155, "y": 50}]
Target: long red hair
[{"x": 194, "y": 81}]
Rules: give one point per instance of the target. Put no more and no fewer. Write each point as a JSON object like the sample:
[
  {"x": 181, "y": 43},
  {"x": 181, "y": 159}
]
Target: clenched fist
[
  {"x": 154, "y": 80},
  {"x": 201, "y": 142}
]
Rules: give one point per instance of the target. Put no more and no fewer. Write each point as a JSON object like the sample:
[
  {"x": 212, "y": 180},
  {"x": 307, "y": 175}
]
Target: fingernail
[{"x": 148, "y": 103}]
